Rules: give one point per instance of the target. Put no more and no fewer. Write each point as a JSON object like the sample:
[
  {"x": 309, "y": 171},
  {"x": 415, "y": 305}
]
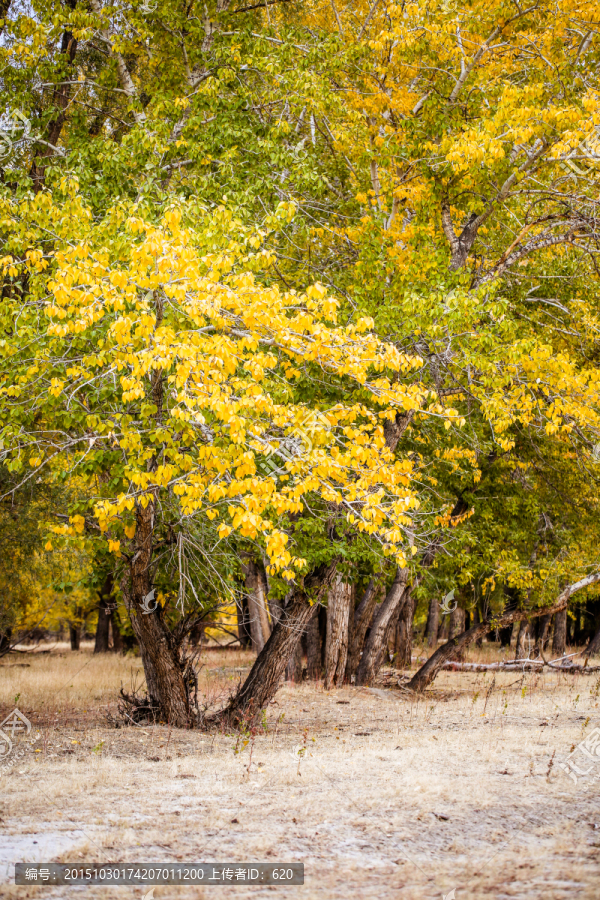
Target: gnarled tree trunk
[
  {"x": 293, "y": 671},
  {"x": 559, "y": 642},
  {"x": 404, "y": 632},
  {"x": 265, "y": 677},
  {"x": 457, "y": 621},
  {"x": 163, "y": 666},
  {"x": 256, "y": 595},
  {"x": 363, "y": 615},
  {"x": 433, "y": 622},
  {"x": 336, "y": 644},
  {"x": 375, "y": 644}
]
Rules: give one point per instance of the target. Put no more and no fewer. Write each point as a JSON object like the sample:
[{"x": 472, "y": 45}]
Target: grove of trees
[{"x": 300, "y": 317}]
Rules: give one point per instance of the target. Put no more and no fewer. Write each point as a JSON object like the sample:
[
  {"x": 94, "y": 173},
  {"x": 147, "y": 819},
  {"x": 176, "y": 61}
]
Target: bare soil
[{"x": 378, "y": 794}]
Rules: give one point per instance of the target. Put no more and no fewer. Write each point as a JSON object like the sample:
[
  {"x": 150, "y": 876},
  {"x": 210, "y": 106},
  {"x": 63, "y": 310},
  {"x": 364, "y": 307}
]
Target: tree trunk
[
  {"x": 429, "y": 670},
  {"x": 197, "y": 633},
  {"x": 542, "y": 635},
  {"x": 163, "y": 666},
  {"x": 313, "y": 648},
  {"x": 274, "y": 604},
  {"x": 362, "y": 617},
  {"x": 559, "y": 643},
  {"x": 261, "y": 599},
  {"x": 263, "y": 681},
  {"x": 102, "y": 628},
  {"x": 117, "y": 644},
  {"x": 522, "y": 644},
  {"x": 257, "y": 603},
  {"x": 477, "y": 621},
  {"x": 293, "y": 671},
  {"x": 336, "y": 644},
  {"x": 74, "y": 634},
  {"x": 375, "y": 645},
  {"x": 243, "y": 621},
  {"x": 104, "y": 613},
  {"x": 457, "y": 626},
  {"x": 593, "y": 648},
  {"x": 5, "y": 636},
  {"x": 433, "y": 622},
  {"x": 444, "y": 627},
  {"x": 404, "y": 632}
]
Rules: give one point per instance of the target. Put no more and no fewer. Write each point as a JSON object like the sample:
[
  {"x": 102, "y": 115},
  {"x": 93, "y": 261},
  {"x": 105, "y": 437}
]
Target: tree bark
[
  {"x": 257, "y": 607},
  {"x": 542, "y": 635},
  {"x": 243, "y": 621},
  {"x": 375, "y": 645},
  {"x": 265, "y": 677},
  {"x": 444, "y": 627},
  {"x": 163, "y": 666},
  {"x": 404, "y": 632},
  {"x": 433, "y": 622},
  {"x": 197, "y": 633},
  {"x": 457, "y": 626},
  {"x": 104, "y": 613},
  {"x": 261, "y": 599},
  {"x": 293, "y": 671},
  {"x": 559, "y": 643},
  {"x": 593, "y": 648},
  {"x": 336, "y": 643},
  {"x": 74, "y": 634},
  {"x": 429, "y": 670},
  {"x": 521, "y": 648},
  {"x": 117, "y": 644},
  {"x": 274, "y": 604},
  {"x": 477, "y": 621},
  {"x": 313, "y": 654},
  {"x": 362, "y": 617}
]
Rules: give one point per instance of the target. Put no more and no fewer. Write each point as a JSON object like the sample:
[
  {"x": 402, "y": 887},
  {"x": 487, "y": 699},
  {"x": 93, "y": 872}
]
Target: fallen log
[
  {"x": 516, "y": 665},
  {"x": 523, "y": 666}
]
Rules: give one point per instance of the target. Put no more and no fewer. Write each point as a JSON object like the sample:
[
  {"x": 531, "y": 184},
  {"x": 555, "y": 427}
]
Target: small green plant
[
  {"x": 98, "y": 747},
  {"x": 17, "y": 696}
]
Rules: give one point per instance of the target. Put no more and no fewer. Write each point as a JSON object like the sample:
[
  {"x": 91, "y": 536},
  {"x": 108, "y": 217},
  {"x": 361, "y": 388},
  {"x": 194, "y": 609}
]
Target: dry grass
[
  {"x": 395, "y": 798},
  {"x": 80, "y": 686}
]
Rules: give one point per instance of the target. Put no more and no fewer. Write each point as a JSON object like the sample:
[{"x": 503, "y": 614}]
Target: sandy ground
[{"x": 460, "y": 791}]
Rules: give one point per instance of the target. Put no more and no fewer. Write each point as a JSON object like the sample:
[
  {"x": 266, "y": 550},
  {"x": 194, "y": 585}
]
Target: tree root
[{"x": 137, "y": 709}]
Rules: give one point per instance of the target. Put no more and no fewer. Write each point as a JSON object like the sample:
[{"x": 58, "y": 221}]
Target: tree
[{"x": 396, "y": 170}]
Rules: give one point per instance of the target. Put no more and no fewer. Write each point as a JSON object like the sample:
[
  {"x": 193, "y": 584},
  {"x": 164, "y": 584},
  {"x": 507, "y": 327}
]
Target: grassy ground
[{"x": 393, "y": 798}]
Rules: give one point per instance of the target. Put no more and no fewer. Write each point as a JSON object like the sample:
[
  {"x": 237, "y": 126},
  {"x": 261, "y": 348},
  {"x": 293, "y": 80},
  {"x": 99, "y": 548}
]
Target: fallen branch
[
  {"x": 522, "y": 666},
  {"x": 519, "y": 665},
  {"x": 426, "y": 674},
  {"x": 578, "y": 670}
]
